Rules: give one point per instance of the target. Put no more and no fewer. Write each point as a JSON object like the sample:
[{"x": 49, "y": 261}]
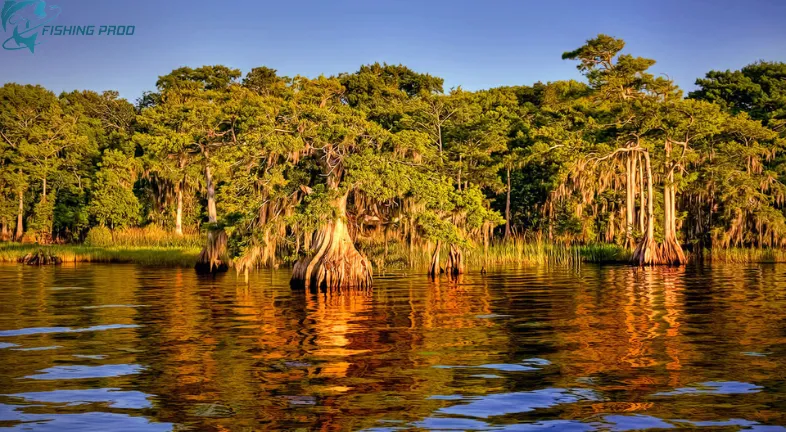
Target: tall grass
[
  {"x": 744, "y": 256},
  {"x": 153, "y": 256},
  {"x": 503, "y": 253},
  {"x": 149, "y": 236},
  {"x": 159, "y": 248}
]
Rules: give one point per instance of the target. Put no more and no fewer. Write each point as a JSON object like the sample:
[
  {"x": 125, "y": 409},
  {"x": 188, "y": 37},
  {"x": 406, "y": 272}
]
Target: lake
[{"x": 124, "y": 347}]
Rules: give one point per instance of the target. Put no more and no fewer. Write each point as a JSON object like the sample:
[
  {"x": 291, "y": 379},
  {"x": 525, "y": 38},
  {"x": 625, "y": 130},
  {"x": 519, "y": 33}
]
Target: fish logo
[{"x": 26, "y": 17}]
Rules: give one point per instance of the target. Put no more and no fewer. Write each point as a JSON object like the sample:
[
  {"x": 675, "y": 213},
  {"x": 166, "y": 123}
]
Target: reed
[
  {"x": 149, "y": 236},
  {"x": 504, "y": 253},
  {"x": 141, "y": 248},
  {"x": 745, "y": 256},
  {"x": 152, "y": 256}
]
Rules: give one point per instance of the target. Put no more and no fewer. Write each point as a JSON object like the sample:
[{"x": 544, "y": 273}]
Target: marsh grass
[
  {"x": 152, "y": 256},
  {"x": 744, "y": 256},
  {"x": 510, "y": 253},
  {"x": 398, "y": 257},
  {"x": 149, "y": 236}
]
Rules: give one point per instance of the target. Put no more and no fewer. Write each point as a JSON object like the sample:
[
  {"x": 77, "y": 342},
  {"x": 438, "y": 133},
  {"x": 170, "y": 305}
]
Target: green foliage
[
  {"x": 40, "y": 225},
  {"x": 758, "y": 89},
  {"x": 113, "y": 202},
  {"x": 272, "y": 159},
  {"x": 99, "y": 236},
  {"x": 314, "y": 209},
  {"x": 435, "y": 228}
]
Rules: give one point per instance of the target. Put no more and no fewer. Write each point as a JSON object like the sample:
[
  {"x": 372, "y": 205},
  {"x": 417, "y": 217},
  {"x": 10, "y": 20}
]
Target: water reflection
[
  {"x": 114, "y": 398},
  {"x": 600, "y": 348},
  {"x": 81, "y": 372}
]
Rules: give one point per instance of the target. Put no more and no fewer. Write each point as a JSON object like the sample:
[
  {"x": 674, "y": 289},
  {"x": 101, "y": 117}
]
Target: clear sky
[{"x": 474, "y": 44}]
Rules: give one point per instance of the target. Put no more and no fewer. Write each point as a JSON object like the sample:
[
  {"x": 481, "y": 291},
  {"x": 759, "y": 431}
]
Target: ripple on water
[
  {"x": 81, "y": 371},
  {"x": 536, "y": 361},
  {"x": 448, "y": 423},
  {"x": 636, "y": 422},
  {"x": 90, "y": 356},
  {"x": 714, "y": 387},
  {"x": 43, "y": 348},
  {"x": 505, "y": 367},
  {"x": 726, "y": 423},
  {"x": 459, "y": 424},
  {"x": 518, "y": 402},
  {"x": 114, "y": 398},
  {"x": 89, "y": 421},
  {"x": 45, "y": 330},
  {"x": 645, "y": 422}
]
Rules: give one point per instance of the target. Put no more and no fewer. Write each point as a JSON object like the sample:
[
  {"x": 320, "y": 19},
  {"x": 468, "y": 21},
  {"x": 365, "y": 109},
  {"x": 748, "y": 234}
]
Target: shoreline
[
  {"x": 498, "y": 255},
  {"x": 148, "y": 255}
]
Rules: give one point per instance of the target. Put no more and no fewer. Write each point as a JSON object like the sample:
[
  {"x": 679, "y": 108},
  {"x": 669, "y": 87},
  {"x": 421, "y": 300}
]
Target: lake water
[{"x": 122, "y": 347}]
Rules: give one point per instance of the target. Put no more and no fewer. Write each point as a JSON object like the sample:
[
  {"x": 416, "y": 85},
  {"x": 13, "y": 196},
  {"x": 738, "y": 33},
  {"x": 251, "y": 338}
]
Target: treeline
[{"x": 273, "y": 167}]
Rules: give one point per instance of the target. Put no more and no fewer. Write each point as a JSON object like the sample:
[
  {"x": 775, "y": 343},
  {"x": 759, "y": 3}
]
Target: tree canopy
[{"x": 320, "y": 170}]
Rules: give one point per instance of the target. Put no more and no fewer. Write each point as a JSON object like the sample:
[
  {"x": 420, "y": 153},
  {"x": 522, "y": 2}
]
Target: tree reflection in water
[{"x": 574, "y": 349}]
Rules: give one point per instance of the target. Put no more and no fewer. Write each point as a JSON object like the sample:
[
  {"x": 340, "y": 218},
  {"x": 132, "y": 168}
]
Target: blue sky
[{"x": 474, "y": 44}]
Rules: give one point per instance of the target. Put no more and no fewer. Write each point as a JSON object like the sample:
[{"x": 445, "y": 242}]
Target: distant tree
[
  {"x": 42, "y": 141},
  {"x": 113, "y": 202},
  {"x": 758, "y": 89},
  {"x": 194, "y": 119}
]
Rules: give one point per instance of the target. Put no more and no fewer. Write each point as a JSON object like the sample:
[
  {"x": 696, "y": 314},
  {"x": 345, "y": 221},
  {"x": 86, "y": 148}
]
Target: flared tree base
[
  {"x": 213, "y": 258},
  {"x": 647, "y": 252},
  {"x": 455, "y": 265},
  {"x": 335, "y": 264},
  {"x": 671, "y": 253},
  {"x": 40, "y": 258},
  {"x": 434, "y": 269}
]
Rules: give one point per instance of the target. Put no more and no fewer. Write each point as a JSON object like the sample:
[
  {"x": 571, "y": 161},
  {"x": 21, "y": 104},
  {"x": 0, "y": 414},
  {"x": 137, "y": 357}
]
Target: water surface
[{"x": 544, "y": 348}]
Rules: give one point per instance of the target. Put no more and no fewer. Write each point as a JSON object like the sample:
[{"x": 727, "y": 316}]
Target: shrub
[{"x": 99, "y": 236}]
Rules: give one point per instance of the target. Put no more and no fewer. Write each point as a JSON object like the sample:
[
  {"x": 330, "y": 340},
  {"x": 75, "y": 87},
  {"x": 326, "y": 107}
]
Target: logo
[
  {"x": 26, "y": 17},
  {"x": 29, "y": 19}
]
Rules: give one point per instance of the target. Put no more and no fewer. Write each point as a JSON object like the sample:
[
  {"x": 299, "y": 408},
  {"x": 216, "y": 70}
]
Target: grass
[
  {"x": 510, "y": 253},
  {"x": 151, "y": 256},
  {"x": 149, "y": 236},
  {"x": 745, "y": 256}
]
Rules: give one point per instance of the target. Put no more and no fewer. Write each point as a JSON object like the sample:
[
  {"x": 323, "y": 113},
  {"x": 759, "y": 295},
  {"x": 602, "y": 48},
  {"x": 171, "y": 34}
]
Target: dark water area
[{"x": 127, "y": 348}]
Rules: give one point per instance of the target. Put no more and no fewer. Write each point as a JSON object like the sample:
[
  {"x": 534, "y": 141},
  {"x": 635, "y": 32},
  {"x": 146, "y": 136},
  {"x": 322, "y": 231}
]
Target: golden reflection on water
[{"x": 598, "y": 347}]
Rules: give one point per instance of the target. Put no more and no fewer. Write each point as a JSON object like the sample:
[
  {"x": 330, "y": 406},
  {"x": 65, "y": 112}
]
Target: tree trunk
[
  {"x": 385, "y": 234},
  {"x": 458, "y": 176},
  {"x": 433, "y": 269},
  {"x": 551, "y": 218},
  {"x": 411, "y": 237},
  {"x": 212, "y": 215},
  {"x": 214, "y": 257},
  {"x": 20, "y": 230},
  {"x": 455, "y": 265},
  {"x": 642, "y": 213},
  {"x": 630, "y": 203},
  {"x": 507, "y": 209},
  {"x": 43, "y": 193},
  {"x": 646, "y": 252},
  {"x": 335, "y": 263},
  {"x": 179, "y": 216},
  {"x": 671, "y": 252}
]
